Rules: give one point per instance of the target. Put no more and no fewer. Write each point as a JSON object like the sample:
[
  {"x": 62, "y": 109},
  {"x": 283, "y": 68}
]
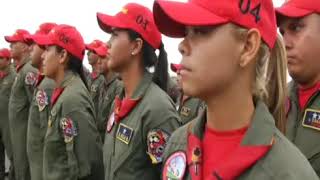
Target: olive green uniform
[
  {"x": 303, "y": 125},
  {"x": 129, "y": 147},
  {"x": 95, "y": 85},
  {"x": 5, "y": 90},
  {"x": 282, "y": 161},
  {"x": 108, "y": 92},
  {"x": 19, "y": 105},
  {"x": 189, "y": 108},
  {"x": 37, "y": 125},
  {"x": 72, "y": 145}
]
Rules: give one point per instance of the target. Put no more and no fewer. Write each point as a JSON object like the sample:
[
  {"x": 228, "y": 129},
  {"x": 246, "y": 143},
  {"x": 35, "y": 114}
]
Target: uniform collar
[
  {"x": 108, "y": 82},
  {"x": 142, "y": 87},
  {"x": 68, "y": 77},
  {"x": 260, "y": 131},
  {"x": 23, "y": 62}
]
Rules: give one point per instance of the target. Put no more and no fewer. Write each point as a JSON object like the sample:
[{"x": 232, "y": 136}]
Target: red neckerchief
[
  {"x": 40, "y": 77},
  {"x": 18, "y": 68},
  {"x": 55, "y": 95},
  {"x": 242, "y": 159},
  {"x": 94, "y": 75},
  {"x": 123, "y": 107},
  {"x": 3, "y": 74},
  {"x": 304, "y": 94}
]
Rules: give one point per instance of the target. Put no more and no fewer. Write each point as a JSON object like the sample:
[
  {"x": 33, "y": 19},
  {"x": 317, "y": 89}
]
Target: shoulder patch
[
  {"x": 157, "y": 140},
  {"x": 175, "y": 166},
  {"x": 42, "y": 99},
  {"x": 69, "y": 129},
  {"x": 30, "y": 78}
]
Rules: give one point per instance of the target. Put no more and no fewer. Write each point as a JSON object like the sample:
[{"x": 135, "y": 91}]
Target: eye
[
  {"x": 198, "y": 31},
  {"x": 296, "y": 26}
]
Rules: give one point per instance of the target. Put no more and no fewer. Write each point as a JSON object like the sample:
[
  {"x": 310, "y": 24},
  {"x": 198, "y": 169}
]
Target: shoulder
[{"x": 285, "y": 161}]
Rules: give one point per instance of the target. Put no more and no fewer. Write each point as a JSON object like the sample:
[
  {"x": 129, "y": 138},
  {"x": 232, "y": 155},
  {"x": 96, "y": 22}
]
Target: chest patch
[
  {"x": 124, "y": 133},
  {"x": 42, "y": 99},
  {"x": 185, "y": 111},
  {"x": 311, "y": 119}
]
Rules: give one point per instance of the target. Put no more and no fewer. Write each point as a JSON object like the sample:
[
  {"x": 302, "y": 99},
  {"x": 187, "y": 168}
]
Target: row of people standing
[{"x": 237, "y": 135}]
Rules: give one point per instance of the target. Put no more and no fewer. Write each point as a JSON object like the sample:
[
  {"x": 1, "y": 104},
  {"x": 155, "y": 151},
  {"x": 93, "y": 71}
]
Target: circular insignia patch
[
  {"x": 42, "y": 99},
  {"x": 156, "y": 141},
  {"x": 30, "y": 78},
  {"x": 175, "y": 166}
]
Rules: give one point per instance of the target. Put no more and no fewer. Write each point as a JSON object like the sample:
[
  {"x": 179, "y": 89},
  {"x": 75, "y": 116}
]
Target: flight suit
[
  {"x": 6, "y": 82},
  {"x": 108, "y": 92},
  {"x": 19, "y": 105},
  {"x": 189, "y": 108},
  {"x": 37, "y": 124},
  {"x": 133, "y": 146},
  {"x": 264, "y": 153},
  {"x": 95, "y": 84},
  {"x": 72, "y": 145},
  {"x": 303, "y": 125}
]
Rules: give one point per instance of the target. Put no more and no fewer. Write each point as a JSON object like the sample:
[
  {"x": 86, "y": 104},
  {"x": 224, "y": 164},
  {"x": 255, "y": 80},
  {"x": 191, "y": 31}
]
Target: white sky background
[{"x": 29, "y": 14}]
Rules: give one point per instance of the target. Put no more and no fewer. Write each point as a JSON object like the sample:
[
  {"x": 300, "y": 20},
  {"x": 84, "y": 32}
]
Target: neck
[
  {"x": 95, "y": 68},
  {"x": 310, "y": 83},
  {"x": 230, "y": 110},
  {"x": 108, "y": 76},
  {"x": 59, "y": 77},
  {"x": 5, "y": 69},
  {"x": 131, "y": 78}
]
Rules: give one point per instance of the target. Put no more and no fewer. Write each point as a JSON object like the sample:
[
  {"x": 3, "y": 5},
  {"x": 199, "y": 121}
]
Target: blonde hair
[{"x": 271, "y": 78}]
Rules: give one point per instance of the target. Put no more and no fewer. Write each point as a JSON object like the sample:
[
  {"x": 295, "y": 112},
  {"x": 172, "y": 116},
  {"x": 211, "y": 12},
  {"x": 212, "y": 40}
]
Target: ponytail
[
  {"x": 277, "y": 83},
  {"x": 271, "y": 78},
  {"x": 150, "y": 59}
]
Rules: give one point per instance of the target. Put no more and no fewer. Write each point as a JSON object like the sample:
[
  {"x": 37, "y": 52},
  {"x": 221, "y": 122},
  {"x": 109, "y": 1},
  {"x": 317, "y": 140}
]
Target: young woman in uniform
[
  {"x": 299, "y": 22},
  {"x": 72, "y": 145},
  {"x": 110, "y": 88},
  {"x": 143, "y": 115},
  {"x": 39, "y": 108},
  {"x": 233, "y": 61}
]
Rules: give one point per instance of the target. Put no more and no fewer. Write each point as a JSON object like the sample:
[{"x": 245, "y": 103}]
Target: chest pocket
[
  {"x": 5, "y": 89},
  {"x": 308, "y": 132}
]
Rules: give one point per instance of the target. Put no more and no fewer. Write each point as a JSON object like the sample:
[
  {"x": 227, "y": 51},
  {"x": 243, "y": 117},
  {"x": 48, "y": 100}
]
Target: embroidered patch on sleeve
[
  {"x": 30, "y": 78},
  {"x": 69, "y": 129},
  {"x": 175, "y": 166},
  {"x": 156, "y": 141}
]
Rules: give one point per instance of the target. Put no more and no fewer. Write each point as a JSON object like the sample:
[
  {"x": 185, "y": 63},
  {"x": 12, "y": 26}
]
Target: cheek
[{"x": 119, "y": 53}]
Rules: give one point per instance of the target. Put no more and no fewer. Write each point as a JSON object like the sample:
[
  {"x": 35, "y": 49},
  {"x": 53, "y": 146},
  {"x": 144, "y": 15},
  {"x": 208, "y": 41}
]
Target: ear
[
  {"x": 136, "y": 46},
  {"x": 63, "y": 57},
  {"x": 251, "y": 47}
]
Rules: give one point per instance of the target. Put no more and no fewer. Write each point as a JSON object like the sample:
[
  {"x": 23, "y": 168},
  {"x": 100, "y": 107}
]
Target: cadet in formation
[
  {"x": 236, "y": 137},
  {"x": 7, "y": 76},
  {"x": 72, "y": 145},
  {"x": 20, "y": 101},
  {"x": 96, "y": 78},
  {"x": 299, "y": 22},
  {"x": 109, "y": 89},
  {"x": 143, "y": 115},
  {"x": 40, "y": 107}
]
